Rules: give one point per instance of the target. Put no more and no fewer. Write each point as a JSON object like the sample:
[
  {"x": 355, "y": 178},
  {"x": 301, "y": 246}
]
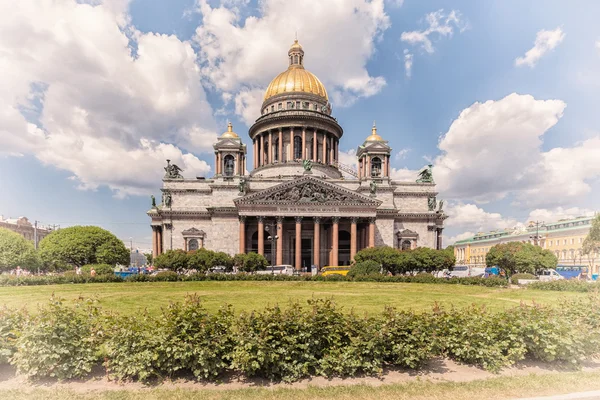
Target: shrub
[
  {"x": 11, "y": 324},
  {"x": 101, "y": 269},
  {"x": 367, "y": 267},
  {"x": 59, "y": 342},
  {"x": 564, "y": 285},
  {"x": 166, "y": 276},
  {"x": 515, "y": 278},
  {"x": 175, "y": 260}
]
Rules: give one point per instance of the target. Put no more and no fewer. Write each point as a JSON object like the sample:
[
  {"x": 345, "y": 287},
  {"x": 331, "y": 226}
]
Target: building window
[
  {"x": 316, "y": 107},
  {"x": 550, "y": 244},
  {"x": 297, "y": 147},
  {"x": 406, "y": 245},
  {"x": 306, "y": 104},
  {"x": 572, "y": 241},
  {"x": 276, "y": 150},
  {"x": 193, "y": 244},
  {"x": 272, "y": 108},
  {"x": 376, "y": 166},
  {"x": 229, "y": 162},
  {"x": 290, "y": 105},
  {"x": 298, "y": 104},
  {"x": 279, "y": 106},
  {"x": 580, "y": 240}
]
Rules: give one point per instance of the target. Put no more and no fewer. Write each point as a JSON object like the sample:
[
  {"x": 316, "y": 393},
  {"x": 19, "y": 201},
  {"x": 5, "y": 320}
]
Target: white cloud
[
  {"x": 450, "y": 240},
  {"x": 598, "y": 45},
  {"x": 348, "y": 158},
  {"x": 471, "y": 217},
  {"x": 439, "y": 25},
  {"x": 558, "y": 213},
  {"x": 90, "y": 83},
  {"x": 493, "y": 148},
  {"x": 395, "y": 3},
  {"x": 403, "y": 174},
  {"x": 545, "y": 41},
  {"x": 408, "y": 62},
  {"x": 242, "y": 56},
  {"x": 401, "y": 154},
  {"x": 247, "y": 104}
]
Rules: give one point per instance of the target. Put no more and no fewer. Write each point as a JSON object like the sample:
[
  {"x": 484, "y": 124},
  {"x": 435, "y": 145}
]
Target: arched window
[
  {"x": 266, "y": 152},
  {"x": 376, "y": 166},
  {"x": 297, "y": 147},
  {"x": 406, "y": 245},
  {"x": 192, "y": 244},
  {"x": 229, "y": 163}
]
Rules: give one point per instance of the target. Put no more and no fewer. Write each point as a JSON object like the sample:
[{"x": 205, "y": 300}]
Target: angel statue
[
  {"x": 426, "y": 175},
  {"x": 307, "y": 164},
  {"x": 242, "y": 185},
  {"x": 441, "y": 206},
  {"x": 431, "y": 203},
  {"x": 373, "y": 188},
  {"x": 172, "y": 171},
  {"x": 153, "y": 201}
]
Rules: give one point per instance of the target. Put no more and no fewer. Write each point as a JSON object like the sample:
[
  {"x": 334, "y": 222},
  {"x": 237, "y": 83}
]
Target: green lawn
[{"x": 358, "y": 296}]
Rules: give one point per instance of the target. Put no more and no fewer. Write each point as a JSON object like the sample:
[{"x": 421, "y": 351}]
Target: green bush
[
  {"x": 166, "y": 276},
  {"x": 368, "y": 267},
  {"x": 11, "y": 324},
  {"x": 515, "y": 278},
  {"x": 59, "y": 342},
  {"x": 564, "y": 285},
  {"x": 101, "y": 269}
]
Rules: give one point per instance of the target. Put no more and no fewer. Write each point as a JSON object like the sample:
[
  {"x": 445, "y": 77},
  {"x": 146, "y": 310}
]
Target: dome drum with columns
[{"x": 322, "y": 210}]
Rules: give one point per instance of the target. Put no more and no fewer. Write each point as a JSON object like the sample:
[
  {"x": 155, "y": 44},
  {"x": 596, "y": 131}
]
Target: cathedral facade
[{"x": 298, "y": 205}]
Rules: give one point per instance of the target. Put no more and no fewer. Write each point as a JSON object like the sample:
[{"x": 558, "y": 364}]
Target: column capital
[
  {"x": 354, "y": 220},
  {"x": 242, "y": 218},
  {"x": 336, "y": 220},
  {"x": 317, "y": 220},
  {"x": 261, "y": 219},
  {"x": 298, "y": 219},
  {"x": 279, "y": 220},
  {"x": 372, "y": 220}
]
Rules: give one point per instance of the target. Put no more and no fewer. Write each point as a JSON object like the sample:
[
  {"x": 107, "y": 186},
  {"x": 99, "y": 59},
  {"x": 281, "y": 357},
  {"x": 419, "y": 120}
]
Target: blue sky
[{"x": 97, "y": 95}]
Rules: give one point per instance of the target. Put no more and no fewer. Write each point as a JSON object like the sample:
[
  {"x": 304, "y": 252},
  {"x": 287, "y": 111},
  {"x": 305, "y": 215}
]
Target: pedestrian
[
  {"x": 18, "y": 270},
  {"x": 92, "y": 272}
]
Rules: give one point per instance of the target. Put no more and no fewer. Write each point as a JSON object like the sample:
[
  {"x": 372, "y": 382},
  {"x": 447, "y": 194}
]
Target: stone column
[
  {"x": 154, "y": 242},
  {"x": 270, "y": 148},
  {"x": 254, "y": 154},
  {"x": 261, "y": 156},
  {"x": 280, "y": 158},
  {"x": 368, "y": 167},
  {"x": 291, "y": 144},
  {"x": 315, "y": 143},
  {"x": 317, "y": 243},
  {"x": 217, "y": 163},
  {"x": 324, "y": 159},
  {"x": 303, "y": 143},
  {"x": 385, "y": 162},
  {"x": 331, "y": 151},
  {"x": 353, "y": 237},
  {"x": 298, "y": 243},
  {"x": 160, "y": 240},
  {"x": 439, "y": 239},
  {"x": 261, "y": 235},
  {"x": 335, "y": 238},
  {"x": 279, "y": 233},
  {"x": 242, "y": 235},
  {"x": 371, "y": 232}
]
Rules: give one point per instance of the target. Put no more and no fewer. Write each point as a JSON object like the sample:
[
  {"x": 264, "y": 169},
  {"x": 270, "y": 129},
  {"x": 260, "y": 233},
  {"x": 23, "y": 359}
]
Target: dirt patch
[{"x": 438, "y": 370}]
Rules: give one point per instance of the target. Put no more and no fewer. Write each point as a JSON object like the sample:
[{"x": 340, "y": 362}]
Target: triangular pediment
[
  {"x": 229, "y": 143},
  {"x": 308, "y": 190},
  {"x": 193, "y": 232}
]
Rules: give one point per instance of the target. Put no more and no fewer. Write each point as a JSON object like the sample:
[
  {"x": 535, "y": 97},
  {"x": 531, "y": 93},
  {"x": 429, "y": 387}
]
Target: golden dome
[
  {"x": 296, "y": 78},
  {"x": 374, "y": 136},
  {"x": 230, "y": 134}
]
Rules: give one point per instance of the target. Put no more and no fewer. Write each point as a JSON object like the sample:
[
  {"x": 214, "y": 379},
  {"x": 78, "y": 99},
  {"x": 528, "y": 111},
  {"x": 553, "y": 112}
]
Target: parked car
[
  {"x": 546, "y": 275},
  {"x": 459, "y": 271},
  {"x": 277, "y": 270},
  {"x": 331, "y": 270}
]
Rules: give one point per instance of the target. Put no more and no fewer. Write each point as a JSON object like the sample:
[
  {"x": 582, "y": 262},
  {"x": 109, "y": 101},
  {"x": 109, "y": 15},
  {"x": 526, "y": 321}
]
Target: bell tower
[
  {"x": 230, "y": 155},
  {"x": 374, "y": 157}
]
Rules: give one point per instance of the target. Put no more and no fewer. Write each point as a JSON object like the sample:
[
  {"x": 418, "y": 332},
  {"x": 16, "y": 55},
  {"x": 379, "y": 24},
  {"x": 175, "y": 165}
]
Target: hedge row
[
  {"x": 567, "y": 286},
  {"x": 11, "y": 280},
  {"x": 68, "y": 341}
]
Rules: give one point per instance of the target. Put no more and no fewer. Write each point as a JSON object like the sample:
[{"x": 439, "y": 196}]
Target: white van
[
  {"x": 546, "y": 275},
  {"x": 277, "y": 270}
]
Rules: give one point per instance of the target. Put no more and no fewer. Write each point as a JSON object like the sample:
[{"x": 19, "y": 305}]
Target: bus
[{"x": 334, "y": 270}]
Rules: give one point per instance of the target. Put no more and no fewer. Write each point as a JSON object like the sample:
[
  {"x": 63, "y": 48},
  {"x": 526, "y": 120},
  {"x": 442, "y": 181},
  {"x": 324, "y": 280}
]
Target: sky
[{"x": 500, "y": 96}]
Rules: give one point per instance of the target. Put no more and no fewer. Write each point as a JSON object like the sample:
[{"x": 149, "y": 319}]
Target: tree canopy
[
  {"x": 174, "y": 260},
  {"x": 81, "y": 245},
  {"x": 518, "y": 257},
  {"x": 250, "y": 262},
  {"x": 591, "y": 244},
  {"x": 401, "y": 262},
  {"x": 16, "y": 251}
]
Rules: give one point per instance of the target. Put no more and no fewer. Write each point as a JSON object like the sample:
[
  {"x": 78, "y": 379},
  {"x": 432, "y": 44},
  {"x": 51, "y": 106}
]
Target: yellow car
[{"x": 329, "y": 270}]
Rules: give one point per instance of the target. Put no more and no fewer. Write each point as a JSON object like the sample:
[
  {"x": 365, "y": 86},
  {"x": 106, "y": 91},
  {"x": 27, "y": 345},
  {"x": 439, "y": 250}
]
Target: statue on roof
[
  {"x": 307, "y": 164},
  {"x": 441, "y": 206},
  {"x": 373, "y": 188},
  {"x": 153, "y": 201},
  {"x": 172, "y": 171},
  {"x": 242, "y": 186},
  {"x": 431, "y": 203},
  {"x": 426, "y": 175}
]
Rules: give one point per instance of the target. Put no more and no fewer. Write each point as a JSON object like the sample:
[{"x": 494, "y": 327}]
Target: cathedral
[{"x": 298, "y": 205}]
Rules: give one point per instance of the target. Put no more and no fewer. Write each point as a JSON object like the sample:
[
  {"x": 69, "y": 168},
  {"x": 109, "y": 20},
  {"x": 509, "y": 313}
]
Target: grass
[
  {"x": 494, "y": 388},
  {"x": 371, "y": 297}
]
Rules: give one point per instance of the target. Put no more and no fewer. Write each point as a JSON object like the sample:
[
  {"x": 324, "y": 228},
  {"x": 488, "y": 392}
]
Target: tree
[
  {"x": 81, "y": 245},
  {"x": 387, "y": 257},
  {"x": 250, "y": 262},
  {"x": 16, "y": 251},
  {"x": 591, "y": 244},
  {"x": 364, "y": 268},
  {"x": 174, "y": 260},
  {"x": 517, "y": 257},
  {"x": 222, "y": 259},
  {"x": 148, "y": 258}
]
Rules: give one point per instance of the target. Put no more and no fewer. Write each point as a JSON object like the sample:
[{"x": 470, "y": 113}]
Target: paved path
[{"x": 595, "y": 395}]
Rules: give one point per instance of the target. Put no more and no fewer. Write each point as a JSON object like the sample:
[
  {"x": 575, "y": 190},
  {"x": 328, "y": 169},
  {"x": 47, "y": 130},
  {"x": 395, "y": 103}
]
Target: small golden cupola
[
  {"x": 374, "y": 136},
  {"x": 230, "y": 134}
]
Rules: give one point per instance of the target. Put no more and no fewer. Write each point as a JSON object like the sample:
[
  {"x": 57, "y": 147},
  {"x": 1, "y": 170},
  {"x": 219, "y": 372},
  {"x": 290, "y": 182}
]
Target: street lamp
[{"x": 272, "y": 238}]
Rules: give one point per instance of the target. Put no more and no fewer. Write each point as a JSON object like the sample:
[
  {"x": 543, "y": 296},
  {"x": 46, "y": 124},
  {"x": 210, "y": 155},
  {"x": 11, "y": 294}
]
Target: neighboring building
[
  {"x": 296, "y": 191},
  {"x": 25, "y": 228},
  {"x": 564, "y": 238}
]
